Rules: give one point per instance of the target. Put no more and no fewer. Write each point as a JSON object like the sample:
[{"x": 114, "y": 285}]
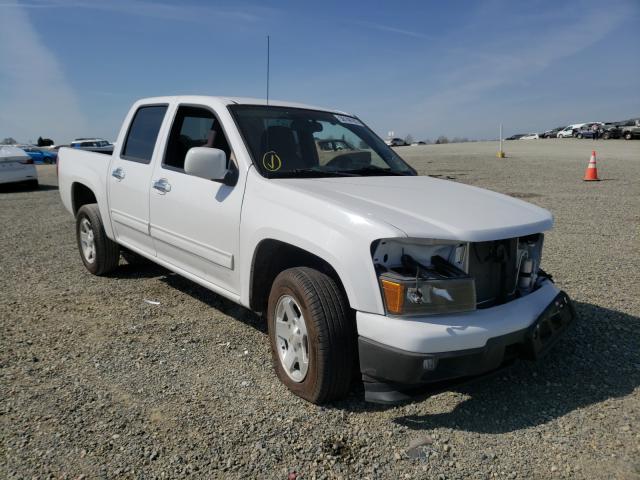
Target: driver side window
[{"x": 193, "y": 127}]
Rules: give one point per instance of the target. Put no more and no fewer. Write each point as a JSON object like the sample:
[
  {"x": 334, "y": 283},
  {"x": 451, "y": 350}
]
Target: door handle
[
  {"x": 162, "y": 185},
  {"x": 118, "y": 173}
]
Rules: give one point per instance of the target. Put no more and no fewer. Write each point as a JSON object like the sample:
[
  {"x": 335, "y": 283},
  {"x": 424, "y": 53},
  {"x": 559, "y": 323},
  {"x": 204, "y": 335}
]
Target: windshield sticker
[
  {"x": 271, "y": 161},
  {"x": 351, "y": 120}
]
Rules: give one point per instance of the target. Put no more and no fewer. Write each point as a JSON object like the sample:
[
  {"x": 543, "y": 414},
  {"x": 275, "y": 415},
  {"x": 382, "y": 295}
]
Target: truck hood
[{"x": 426, "y": 207}]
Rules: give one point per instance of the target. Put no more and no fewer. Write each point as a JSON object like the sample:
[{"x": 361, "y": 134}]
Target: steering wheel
[{"x": 348, "y": 161}]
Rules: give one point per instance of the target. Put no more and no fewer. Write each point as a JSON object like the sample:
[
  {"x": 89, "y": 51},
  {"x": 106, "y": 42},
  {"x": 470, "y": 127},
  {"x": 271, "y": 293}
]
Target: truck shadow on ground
[
  {"x": 145, "y": 270},
  {"x": 20, "y": 187},
  {"x": 227, "y": 307},
  {"x": 598, "y": 359},
  {"x": 186, "y": 286}
]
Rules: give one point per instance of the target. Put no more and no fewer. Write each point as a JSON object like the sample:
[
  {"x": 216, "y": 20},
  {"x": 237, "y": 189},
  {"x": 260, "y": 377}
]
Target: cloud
[
  {"x": 36, "y": 98},
  {"x": 513, "y": 62},
  {"x": 176, "y": 12},
  {"x": 387, "y": 28}
]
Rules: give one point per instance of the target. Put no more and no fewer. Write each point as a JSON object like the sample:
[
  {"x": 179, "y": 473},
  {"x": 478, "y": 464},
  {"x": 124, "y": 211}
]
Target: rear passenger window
[{"x": 143, "y": 133}]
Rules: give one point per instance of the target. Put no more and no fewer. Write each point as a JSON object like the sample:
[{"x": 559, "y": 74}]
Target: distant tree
[
  {"x": 408, "y": 139},
  {"x": 9, "y": 141},
  {"x": 45, "y": 142},
  {"x": 442, "y": 139}
]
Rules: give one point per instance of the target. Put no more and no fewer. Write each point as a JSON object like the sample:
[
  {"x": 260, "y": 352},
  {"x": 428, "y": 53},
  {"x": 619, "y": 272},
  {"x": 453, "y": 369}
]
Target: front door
[
  {"x": 195, "y": 222},
  {"x": 130, "y": 178}
]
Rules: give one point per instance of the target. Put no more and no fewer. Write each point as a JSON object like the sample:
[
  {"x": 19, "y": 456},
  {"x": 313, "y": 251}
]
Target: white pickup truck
[{"x": 304, "y": 215}]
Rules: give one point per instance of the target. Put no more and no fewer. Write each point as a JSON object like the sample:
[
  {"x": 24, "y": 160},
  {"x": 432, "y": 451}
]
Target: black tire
[
  {"x": 628, "y": 136},
  {"x": 133, "y": 258},
  {"x": 606, "y": 136},
  {"x": 330, "y": 329},
  {"x": 579, "y": 135},
  {"x": 107, "y": 252}
]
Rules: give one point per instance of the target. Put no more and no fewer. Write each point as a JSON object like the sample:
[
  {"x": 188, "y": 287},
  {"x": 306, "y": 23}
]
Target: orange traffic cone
[{"x": 591, "y": 174}]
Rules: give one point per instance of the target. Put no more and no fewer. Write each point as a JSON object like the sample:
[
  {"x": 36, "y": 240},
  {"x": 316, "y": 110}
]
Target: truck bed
[{"x": 89, "y": 169}]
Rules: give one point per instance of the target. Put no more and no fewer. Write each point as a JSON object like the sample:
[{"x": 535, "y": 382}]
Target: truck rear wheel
[
  {"x": 98, "y": 252},
  {"x": 312, "y": 335}
]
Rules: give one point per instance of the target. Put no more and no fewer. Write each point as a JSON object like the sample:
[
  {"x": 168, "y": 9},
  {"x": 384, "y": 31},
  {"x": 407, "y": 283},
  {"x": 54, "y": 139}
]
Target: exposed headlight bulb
[{"x": 414, "y": 295}]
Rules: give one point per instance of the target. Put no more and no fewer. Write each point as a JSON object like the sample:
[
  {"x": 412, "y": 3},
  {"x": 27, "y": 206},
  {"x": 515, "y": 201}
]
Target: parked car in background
[
  {"x": 396, "y": 142},
  {"x": 612, "y": 130},
  {"x": 92, "y": 145},
  {"x": 584, "y": 132},
  {"x": 553, "y": 133},
  {"x": 517, "y": 136},
  {"x": 40, "y": 156},
  {"x": 16, "y": 166},
  {"x": 333, "y": 145},
  {"x": 631, "y": 129},
  {"x": 530, "y": 136},
  {"x": 587, "y": 130},
  {"x": 569, "y": 131},
  {"x": 337, "y": 150}
]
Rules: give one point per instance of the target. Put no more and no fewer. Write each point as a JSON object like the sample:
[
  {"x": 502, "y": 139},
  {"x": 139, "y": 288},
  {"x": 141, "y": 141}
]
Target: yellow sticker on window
[{"x": 271, "y": 161}]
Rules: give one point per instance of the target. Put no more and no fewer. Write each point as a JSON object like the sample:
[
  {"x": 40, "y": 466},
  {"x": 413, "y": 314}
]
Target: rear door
[
  {"x": 195, "y": 222},
  {"x": 130, "y": 178}
]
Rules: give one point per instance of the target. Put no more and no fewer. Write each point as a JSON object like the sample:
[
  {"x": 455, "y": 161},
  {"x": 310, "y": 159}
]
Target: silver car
[{"x": 16, "y": 166}]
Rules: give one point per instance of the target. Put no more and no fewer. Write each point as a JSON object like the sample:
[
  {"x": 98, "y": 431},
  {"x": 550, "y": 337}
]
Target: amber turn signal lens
[{"x": 393, "y": 296}]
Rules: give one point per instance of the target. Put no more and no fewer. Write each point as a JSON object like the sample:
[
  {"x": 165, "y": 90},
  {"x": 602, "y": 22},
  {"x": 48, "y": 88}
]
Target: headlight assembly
[
  {"x": 421, "y": 277},
  {"x": 427, "y": 297}
]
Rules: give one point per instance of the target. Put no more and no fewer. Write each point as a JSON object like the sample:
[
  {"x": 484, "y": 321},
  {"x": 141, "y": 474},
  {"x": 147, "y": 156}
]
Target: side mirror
[{"x": 207, "y": 163}]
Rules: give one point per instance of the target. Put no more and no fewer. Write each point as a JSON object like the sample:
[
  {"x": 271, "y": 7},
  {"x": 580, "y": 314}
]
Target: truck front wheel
[
  {"x": 98, "y": 252},
  {"x": 312, "y": 335}
]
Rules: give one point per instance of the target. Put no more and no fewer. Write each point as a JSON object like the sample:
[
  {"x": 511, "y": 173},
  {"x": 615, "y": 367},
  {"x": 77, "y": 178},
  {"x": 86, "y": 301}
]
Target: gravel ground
[{"x": 97, "y": 383}]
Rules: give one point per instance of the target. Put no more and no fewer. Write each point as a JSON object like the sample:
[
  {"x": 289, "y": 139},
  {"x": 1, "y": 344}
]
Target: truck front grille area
[{"x": 494, "y": 265}]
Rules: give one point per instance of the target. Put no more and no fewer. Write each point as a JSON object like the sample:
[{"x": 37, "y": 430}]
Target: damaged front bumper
[{"x": 392, "y": 374}]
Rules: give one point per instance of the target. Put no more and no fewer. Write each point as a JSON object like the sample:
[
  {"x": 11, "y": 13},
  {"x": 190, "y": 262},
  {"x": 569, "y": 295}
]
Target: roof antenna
[
  {"x": 268, "y": 52},
  {"x": 266, "y": 126}
]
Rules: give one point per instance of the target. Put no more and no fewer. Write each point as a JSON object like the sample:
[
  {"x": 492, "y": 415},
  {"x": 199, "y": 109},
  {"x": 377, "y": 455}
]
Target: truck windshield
[{"x": 297, "y": 142}]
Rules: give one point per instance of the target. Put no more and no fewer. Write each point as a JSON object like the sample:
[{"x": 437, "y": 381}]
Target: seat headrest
[
  {"x": 282, "y": 141},
  {"x": 278, "y": 138}
]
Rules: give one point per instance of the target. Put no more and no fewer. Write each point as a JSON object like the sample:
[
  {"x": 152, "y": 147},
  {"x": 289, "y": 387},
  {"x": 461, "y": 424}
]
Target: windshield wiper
[
  {"x": 310, "y": 173},
  {"x": 373, "y": 170}
]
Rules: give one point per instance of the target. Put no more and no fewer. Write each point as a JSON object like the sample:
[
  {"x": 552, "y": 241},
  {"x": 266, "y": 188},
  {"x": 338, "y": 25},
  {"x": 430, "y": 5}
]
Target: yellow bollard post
[{"x": 501, "y": 153}]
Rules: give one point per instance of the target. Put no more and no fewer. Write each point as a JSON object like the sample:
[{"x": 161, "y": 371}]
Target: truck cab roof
[{"x": 223, "y": 100}]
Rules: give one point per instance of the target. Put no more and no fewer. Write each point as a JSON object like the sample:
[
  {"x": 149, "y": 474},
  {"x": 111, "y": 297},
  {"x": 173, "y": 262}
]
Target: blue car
[
  {"x": 41, "y": 156},
  {"x": 586, "y": 131}
]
